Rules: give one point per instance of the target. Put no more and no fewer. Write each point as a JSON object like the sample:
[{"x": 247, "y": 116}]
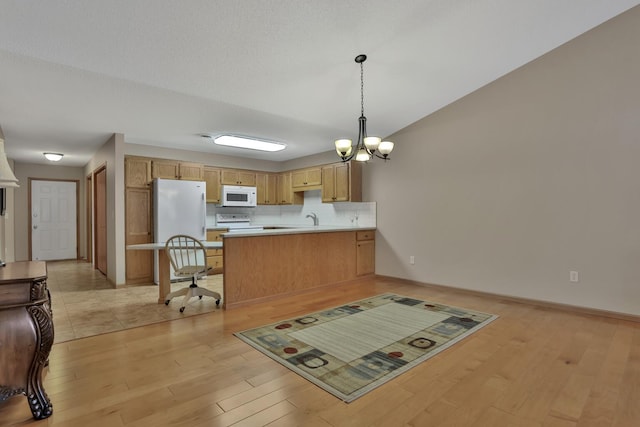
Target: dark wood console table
[{"x": 26, "y": 333}]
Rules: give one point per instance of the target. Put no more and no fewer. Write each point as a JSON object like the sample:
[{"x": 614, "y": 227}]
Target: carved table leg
[{"x": 38, "y": 400}]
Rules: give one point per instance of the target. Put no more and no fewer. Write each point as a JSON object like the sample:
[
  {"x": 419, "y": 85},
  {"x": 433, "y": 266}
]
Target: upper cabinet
[
  {"x": 306, "y": 179},
  {"x": 191, "y": 171},
  {"x": 285, "y": 193},
  {"x": 238, "y": 177},
  {"x": 339, "y": 182},
  {"x": 342, "y": 182},
  {"x": 212, "y": 178},
  {"x": 171, "y": 169},
  {"x": 266, "y": 184},
  {"x": 166, "y": 169},
  {"x": 137, "y": 172}
]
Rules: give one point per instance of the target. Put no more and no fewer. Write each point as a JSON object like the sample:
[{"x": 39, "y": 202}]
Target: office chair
[{"x": 188, "y": 258}]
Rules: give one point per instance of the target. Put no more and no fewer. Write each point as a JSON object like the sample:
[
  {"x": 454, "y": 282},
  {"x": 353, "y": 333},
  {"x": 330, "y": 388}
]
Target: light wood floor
[{"x": 532, "y": 367}]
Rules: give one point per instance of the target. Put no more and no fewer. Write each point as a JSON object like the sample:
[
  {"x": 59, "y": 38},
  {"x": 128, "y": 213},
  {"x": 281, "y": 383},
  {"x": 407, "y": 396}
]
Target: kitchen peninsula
[{"x": 261, "y": 265}]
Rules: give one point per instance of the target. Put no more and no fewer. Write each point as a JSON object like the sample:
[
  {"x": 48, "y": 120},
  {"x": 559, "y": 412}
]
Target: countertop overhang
[
  {"x": 284, "y": 229},
  {"x": 161, "y": 245}
]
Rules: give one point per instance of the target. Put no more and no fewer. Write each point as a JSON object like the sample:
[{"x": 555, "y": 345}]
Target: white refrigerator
[{"x": 179, "y": 207}]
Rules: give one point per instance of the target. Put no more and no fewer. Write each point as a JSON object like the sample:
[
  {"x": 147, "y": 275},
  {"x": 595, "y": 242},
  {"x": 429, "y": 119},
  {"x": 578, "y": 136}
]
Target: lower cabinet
[
  {"x": 138, "y": 229},
  {"x": 214, "y": 256},
  {"x": 365, "y": 252}
]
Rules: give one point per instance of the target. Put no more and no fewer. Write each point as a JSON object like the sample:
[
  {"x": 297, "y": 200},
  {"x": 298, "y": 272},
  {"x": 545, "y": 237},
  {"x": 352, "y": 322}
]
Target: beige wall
[
  {"x": 534, "y": 175},
  {"x": 111, "y": 155},
  {"x": 25, "y": 171}
]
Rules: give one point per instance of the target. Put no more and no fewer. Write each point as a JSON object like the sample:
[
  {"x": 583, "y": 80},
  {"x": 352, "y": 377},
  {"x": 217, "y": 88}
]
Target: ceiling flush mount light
[
  {"x": 366, "y": 146},
  {"x": 250, "y": 143},
  {"x": 54, "y": 157}
]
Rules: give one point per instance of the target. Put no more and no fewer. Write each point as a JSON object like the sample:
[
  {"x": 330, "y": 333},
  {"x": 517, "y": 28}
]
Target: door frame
[
  {"x": 95, "y": 224},
  {"x": 89, "y": 216},
  {"x": 29, "y": 237}
]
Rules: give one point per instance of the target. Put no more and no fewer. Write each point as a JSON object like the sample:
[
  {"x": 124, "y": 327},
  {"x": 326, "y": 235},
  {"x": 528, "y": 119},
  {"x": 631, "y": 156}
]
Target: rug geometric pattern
[{"x": 351, "y": 349}]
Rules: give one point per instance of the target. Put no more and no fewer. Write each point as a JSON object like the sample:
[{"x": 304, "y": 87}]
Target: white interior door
[{"x": 53, "y": 220}]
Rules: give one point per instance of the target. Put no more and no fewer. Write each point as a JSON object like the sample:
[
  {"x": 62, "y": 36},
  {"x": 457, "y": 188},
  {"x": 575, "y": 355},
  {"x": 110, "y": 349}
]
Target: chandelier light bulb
[
  {"x": 372, "y": 142},
  {"x": 385, "y": 147}
]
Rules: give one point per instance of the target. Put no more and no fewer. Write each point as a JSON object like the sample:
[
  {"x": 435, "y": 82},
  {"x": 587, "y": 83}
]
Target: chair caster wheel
[
  {"x": 167, "y": 302},
  {"x": 181, "y": 309},
  {"x": 217, "y": 303}
]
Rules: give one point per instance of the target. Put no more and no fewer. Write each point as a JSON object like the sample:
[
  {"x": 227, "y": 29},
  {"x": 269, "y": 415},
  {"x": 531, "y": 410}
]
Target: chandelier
[{"x": 366, "y": 146}]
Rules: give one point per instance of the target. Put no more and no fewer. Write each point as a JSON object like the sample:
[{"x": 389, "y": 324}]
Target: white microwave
[{"x": 236, "y": 195}]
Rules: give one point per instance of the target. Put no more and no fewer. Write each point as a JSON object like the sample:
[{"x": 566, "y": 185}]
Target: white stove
[{"x": 236, "y": 222}]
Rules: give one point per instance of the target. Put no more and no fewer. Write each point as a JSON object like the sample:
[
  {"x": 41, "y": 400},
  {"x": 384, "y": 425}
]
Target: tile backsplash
[{"x": 342, "y": 213}]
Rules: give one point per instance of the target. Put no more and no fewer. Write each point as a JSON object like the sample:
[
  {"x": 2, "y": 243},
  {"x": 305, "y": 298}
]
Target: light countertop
[
  {"x": 161, "y": 245},
  {"x": 294, "y": 229}
]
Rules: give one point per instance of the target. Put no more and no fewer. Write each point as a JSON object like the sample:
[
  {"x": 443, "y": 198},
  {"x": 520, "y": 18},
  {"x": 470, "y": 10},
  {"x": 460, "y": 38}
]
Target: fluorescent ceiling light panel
[{"x": 248, "y": 142}]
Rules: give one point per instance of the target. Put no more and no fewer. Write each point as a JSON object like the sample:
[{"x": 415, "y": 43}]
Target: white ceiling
[{"x": 162, "y": 72}]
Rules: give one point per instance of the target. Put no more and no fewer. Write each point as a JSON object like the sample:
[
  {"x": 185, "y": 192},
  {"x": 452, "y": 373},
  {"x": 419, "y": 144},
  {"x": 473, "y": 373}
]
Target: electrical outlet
[
  {"x": 412, "y": 260},
  {"x": 573, "y": 276}
]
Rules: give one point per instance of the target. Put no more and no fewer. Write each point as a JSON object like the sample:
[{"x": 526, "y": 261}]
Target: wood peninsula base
[{"x": 263, "y": 266}]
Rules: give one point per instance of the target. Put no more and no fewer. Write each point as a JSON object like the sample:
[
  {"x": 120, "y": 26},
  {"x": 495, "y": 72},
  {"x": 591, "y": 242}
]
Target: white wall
[{"x": 508, "y": 189}]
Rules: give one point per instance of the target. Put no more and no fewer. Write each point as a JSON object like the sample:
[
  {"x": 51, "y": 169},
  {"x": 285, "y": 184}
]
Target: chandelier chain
[{"x": 361, "y": 89}]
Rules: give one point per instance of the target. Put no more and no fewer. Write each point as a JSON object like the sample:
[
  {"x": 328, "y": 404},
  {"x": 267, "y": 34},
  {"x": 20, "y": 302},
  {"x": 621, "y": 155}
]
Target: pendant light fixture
[
  {"x": 7, "y": 178},
  {"x": 367, "y": 146}
]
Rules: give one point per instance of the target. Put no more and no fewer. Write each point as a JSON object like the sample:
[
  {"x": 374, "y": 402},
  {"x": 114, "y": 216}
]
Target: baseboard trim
[{"x": 530, "y": 301}]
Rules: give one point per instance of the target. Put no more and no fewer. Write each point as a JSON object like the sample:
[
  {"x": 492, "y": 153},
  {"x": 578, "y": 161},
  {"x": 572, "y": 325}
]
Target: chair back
[{"x": 187, "y": 255}]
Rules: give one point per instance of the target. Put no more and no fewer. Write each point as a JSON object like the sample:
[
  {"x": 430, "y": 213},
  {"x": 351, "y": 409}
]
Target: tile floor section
[{"x": 84, "y": 303}]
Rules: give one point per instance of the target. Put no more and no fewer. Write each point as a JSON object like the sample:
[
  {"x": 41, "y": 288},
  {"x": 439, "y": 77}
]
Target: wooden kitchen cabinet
[
  {"x": 165, "y": 169},
  {"x": 138, "y": 219},
  {"x": 285, "y": 193},
  {"x": 212, "y": 179},
  {"x": 138, "y": 230},
  {"x": 171, "y": 169},
  {"x": 342, "y": 182},
  {"x": 266, "y": 185},
  {"x": 238, "y": 177},
  {"x": 365, "y": 252},
  {"x": 215, "y": 256},
  {"x": 26, "y": 334},
  {"x": 137, "y": 172},
  {"x": 306, "y": 179},
  {"x": 191, "y": 171}
]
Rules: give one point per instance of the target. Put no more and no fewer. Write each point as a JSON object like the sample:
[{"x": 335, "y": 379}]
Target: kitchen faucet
[{"x": 313, "y": 216}]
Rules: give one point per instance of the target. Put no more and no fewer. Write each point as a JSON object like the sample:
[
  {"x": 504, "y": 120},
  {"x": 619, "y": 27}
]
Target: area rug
[{"x": 351, "y": 349}]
